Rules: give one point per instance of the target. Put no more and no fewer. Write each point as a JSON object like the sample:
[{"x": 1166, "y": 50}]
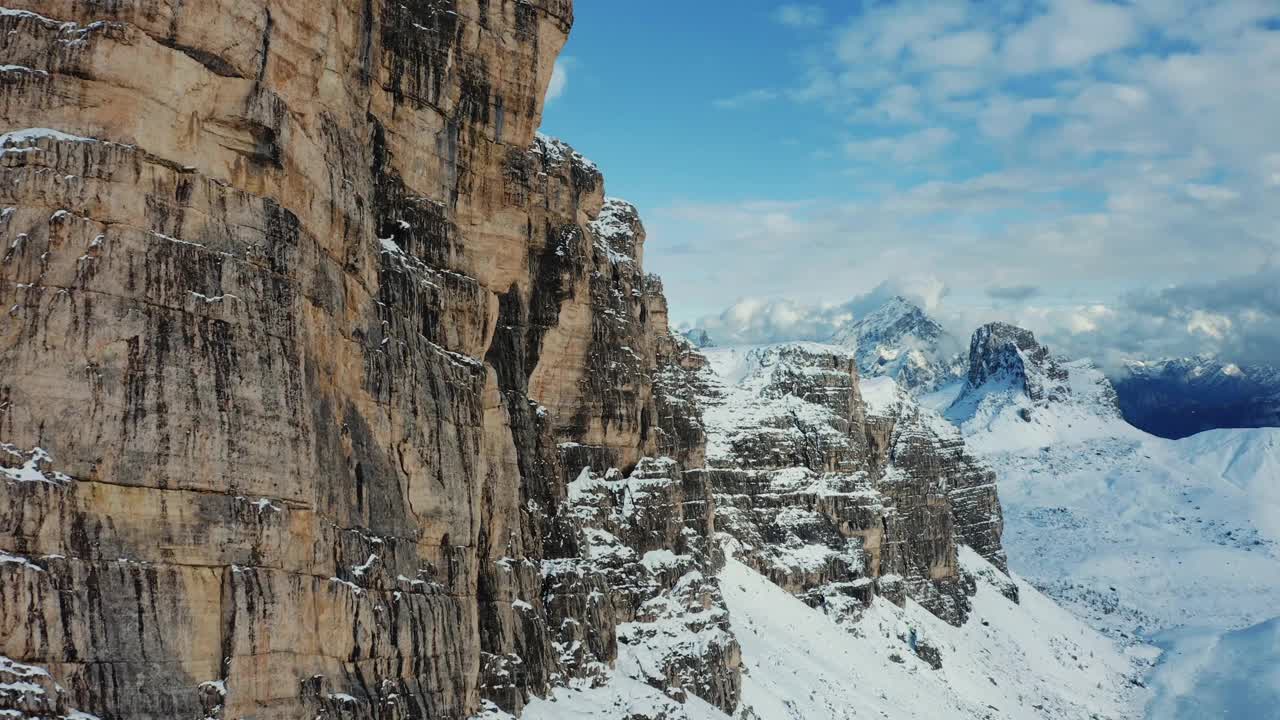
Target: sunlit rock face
[
  {"x": 328, "y": 388},
  {"x": 306, "y": 333}
]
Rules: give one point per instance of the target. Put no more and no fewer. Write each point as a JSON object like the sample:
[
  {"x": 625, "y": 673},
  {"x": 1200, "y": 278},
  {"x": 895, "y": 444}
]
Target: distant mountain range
[
  {"x": 1169, "y": 398},
  {"x": 1169, "y": 541},
  {"x": 1179, "y": 397}
]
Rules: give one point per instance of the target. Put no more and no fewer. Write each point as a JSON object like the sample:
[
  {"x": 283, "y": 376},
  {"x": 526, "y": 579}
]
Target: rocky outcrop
[
  {"x": 1003, "y": 353},
  {"x": 921, "y": 445},
  {"x": 1014, "y": 379}
]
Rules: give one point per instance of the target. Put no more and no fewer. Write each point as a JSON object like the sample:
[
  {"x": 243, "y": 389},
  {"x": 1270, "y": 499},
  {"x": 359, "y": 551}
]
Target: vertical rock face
[
  {"x": 329, "y": 388},
  {"x": 999, "y": 352},
  {"x": 303, "y": 328},
  {"x": 1018, "y": 389}
]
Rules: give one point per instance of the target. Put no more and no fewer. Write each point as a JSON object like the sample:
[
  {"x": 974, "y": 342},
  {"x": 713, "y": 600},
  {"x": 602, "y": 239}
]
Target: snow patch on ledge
[
  {"x": 30, "y": 135},
  {"x": 34, "y": 468}
]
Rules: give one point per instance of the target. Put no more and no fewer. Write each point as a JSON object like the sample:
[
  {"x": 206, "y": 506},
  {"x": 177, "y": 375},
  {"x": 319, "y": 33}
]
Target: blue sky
[
  {"x": 1060, "y": 164},
  {"x": 645, "y": 80}
]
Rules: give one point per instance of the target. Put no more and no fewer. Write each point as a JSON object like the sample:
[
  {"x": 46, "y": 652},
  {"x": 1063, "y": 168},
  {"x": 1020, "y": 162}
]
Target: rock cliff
[
  {"x": 838, "y": 499},
  {"x": 304, "y": 326},
  {"x": 328, "y": 388}
]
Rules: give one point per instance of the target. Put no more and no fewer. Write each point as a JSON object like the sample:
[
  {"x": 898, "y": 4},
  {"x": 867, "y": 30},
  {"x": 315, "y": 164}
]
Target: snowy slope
[
  {"x": 1143, "y": 534},
  {"x": 1137, "y": 532},
  {"x": 1010, "y": 660},
  {"x": 1000, "y": 417},
  {"x": 1248, "y": 459},
  {"x": 1027, "y": 660},
  {"x": 1177, "y": 541},
  {"x": 1017, "y": 396},
  {"x": 1024, "y": 658},
  {"x": 1234, "y": 674}
]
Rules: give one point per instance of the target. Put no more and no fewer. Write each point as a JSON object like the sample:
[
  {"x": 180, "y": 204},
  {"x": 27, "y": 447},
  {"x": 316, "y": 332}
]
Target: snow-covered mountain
[
  {"x": 1028, "y": 659},
  {"x": 900, "y": 341},
  {"x": 864, "y": 576},
  {"x": 1017, "y": 395},
  {"x": 1182, "y": 396},
  {"x": 1174, "y": 541},
  {"x": 698, "y": 337}
]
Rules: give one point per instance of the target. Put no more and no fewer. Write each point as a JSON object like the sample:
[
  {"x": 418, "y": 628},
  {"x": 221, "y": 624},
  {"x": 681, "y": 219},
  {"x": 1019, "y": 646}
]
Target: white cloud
[
  {"x": 1211, "y": 194},
  {"x": 1081, "y": 149},
  {"x": 900, "y": 103},
  {"x": 1004, "y": 117},
  {"x": 1211, "y": 324},
  {"x": 759, "y": 320},
  {"x": 559, "y": 78},
  {"x": 800, "y": 16},
  {"x": 910, "y": 148},
  {"x": 963, "y": 49},
  {"x": 955, "y": 82},
  {"x": 1071, "y": 33},
  {"x": 1236, "y": 319},
  {"x": 746, "y": 99}
]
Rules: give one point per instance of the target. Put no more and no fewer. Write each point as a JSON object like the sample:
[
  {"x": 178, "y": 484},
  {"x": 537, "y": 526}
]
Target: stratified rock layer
[{"x": 837, "y": 499}]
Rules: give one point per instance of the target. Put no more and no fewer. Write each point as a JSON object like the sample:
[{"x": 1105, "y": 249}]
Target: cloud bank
[
  {"x": 1106, "y": 173},
  {"x": 1236, "y": 319}
]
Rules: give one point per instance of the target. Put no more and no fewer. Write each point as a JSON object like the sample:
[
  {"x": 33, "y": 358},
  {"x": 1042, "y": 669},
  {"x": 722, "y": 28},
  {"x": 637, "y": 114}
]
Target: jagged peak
[
  {"x": 619, "y": 231},
  {"x": 900, "y": 340},
  {"x": 896, "y": 318},
  {"x": 998, "y": 350},
  {"x": 1200, "y": 366},
  {"x": 557, "y": 151},
  {"x": 616, "y": 217},
  {"x": 897, "y": 307},
  {"x": 1019, "y": 394}
]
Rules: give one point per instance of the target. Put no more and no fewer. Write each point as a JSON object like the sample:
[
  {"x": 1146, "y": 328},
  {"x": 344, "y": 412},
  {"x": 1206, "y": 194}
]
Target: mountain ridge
[{"x": 1179, "y": 397}]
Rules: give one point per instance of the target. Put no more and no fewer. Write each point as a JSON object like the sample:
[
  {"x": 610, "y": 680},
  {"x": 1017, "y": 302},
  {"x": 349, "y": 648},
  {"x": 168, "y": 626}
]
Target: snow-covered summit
[
  {"x": 1019, "y": 395},
  {"x": 899, "y": 340}
]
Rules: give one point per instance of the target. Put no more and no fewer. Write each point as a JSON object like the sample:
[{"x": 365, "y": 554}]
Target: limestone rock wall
[{"x": 301, "y": 326}]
